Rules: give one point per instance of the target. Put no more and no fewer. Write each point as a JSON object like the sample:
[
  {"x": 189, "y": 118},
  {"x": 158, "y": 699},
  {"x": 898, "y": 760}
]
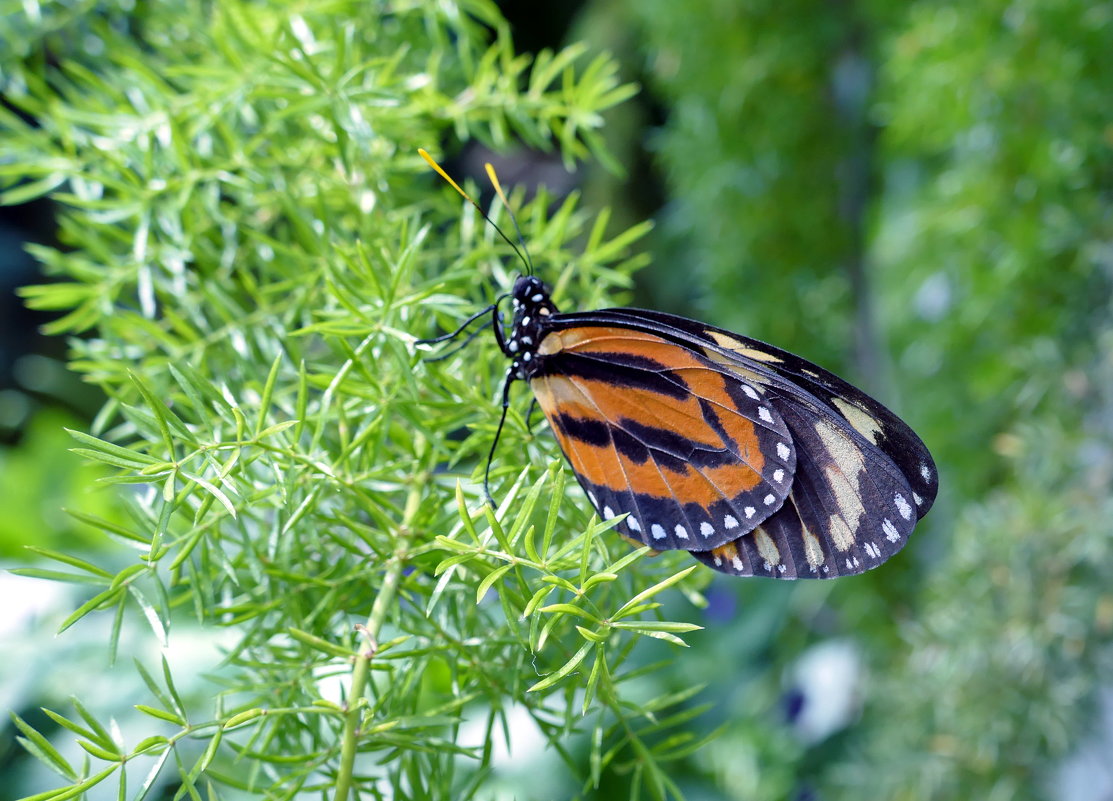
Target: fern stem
[{"x": 385, "y": 599}]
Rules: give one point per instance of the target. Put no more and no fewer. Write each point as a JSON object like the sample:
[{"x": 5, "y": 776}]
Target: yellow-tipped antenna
[
  {"x": 440, "y": 171},
  {"x": 494, "y": 179},
  {"x": 498, "y": 189}
]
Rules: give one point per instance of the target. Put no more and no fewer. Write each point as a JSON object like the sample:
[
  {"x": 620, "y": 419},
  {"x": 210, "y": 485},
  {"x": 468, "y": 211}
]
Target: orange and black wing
[
  {"x": 861, "y": 478},
  {"x": 688, "y": 449}
]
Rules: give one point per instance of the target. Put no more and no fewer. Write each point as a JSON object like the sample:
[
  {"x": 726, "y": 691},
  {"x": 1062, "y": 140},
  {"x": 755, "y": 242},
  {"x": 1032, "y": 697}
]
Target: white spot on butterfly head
[
  {"x": 537, "y": 298},
  {"x": 730, "y": 522},
  {"x": 681, "y": 532},
  {"x": 657, "y": 532},
  {"x": 890, "y": 531},
  {"x": 706, "y": 529},
  {"x": 783, "y": 450},
  {"x": 902, "y": 506}
]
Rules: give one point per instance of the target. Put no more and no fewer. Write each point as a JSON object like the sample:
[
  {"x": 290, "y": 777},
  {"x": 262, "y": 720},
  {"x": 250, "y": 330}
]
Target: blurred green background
[{"x": 918, "y": 196}]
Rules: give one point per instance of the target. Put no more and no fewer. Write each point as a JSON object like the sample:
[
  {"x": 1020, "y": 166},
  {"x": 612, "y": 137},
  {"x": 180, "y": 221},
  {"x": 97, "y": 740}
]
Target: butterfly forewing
[{"x": 689, "y": 450}]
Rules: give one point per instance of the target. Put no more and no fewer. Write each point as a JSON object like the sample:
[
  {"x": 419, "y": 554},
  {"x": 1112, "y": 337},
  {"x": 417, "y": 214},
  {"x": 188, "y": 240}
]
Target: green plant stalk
[{"x": 362, "y": 669}]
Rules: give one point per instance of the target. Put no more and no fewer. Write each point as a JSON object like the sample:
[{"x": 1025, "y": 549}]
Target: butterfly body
[{"x": 753, "y": 459}]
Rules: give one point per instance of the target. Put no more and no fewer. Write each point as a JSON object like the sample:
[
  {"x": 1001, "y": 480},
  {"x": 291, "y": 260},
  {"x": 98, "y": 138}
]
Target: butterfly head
[{"x": 532, "y": 307}]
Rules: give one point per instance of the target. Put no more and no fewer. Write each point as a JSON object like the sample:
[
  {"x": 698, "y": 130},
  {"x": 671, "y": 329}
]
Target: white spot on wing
[
  {"x": 750, "y": 392},
  {"x": 706, "y": 529},
  {"x": 738, "y": 564},
  {"x": 778, "y": 475},
  {"x": 730, "y": 522},
  {"x": 657, "y": 532},
  {"x": 764, "y": 414},
  {"x": 919, "y": 501},
  {"x": 769, "y": 499},
  {"x": 591, "y": 497},
  {"x": 890, "y": 531},
  {"x": 608, "y": 513},
  {"x": 749, "y": 510},
  {"x": 633, "y": 523},
  {"x": 681, "y": 532},
  {"x": 783, "y": 451},
  {"x": 902, "y": 506},
  {"x": 925, "y": 472},
  {"x": 718, "y": 560}
]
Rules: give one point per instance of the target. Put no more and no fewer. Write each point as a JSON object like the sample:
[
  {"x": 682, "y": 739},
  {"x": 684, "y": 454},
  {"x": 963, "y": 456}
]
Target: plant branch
[{"x": 375, "y": 620}]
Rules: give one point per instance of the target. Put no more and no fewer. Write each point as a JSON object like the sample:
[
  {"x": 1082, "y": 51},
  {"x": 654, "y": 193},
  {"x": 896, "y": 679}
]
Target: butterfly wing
[
  {"x": 766, "y": 364},
  {"x": 687, "y": 448},
  {"x": 849, "y": 509},
  {"x": 862, "y": 478}
]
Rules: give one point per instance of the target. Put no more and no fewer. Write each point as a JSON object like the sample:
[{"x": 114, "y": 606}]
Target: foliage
[{"x": 251, "y": 246}]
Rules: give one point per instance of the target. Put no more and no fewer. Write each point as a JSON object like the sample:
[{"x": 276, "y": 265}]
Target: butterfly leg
[
  {"x": 510, "y": 375},
  {"x": 458, "y": 331},
  {"x": 529, "y": 413}
]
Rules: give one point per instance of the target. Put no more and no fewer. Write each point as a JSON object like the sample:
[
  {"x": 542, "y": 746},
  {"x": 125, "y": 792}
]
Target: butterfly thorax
[{"x": 532, "y": 308}]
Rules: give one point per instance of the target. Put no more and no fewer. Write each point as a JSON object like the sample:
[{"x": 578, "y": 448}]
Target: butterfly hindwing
[{"x": 690, "y": 451}]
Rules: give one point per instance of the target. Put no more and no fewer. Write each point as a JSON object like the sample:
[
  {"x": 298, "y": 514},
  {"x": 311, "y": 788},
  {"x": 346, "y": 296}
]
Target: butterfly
[{"x": 756, "y": 461}]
